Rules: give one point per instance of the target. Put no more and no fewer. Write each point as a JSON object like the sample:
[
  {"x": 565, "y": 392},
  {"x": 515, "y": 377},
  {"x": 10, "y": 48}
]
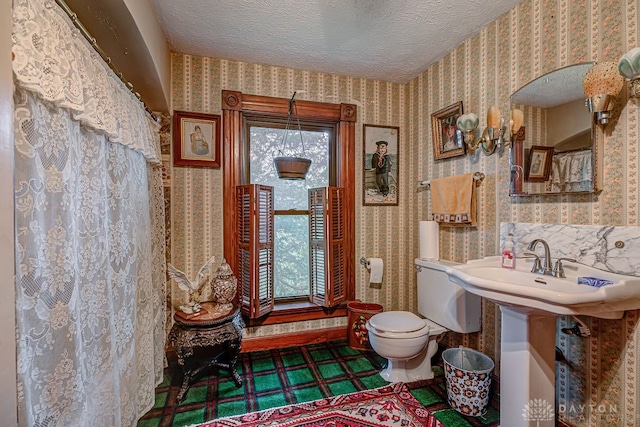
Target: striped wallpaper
[{"x": 535, "y": 37}]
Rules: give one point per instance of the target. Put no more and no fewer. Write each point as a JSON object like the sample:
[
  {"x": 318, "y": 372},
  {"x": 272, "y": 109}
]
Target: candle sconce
[
  {"x": 601, "y": 84},
  {"x": 495, "y": 135}
]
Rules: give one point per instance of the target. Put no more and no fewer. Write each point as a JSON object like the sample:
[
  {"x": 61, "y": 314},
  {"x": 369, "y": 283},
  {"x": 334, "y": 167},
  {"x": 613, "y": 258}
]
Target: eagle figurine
[{"x": 191, "y": 306}]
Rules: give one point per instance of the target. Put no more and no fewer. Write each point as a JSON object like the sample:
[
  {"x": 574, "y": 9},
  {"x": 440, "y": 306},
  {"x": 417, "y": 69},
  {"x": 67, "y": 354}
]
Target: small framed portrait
[
  {"x": 196, "y": 139},
  {"x": 448, "y": 140},
  {"x": 381, "y": 165},
  {"x": 539, "y": 164}
]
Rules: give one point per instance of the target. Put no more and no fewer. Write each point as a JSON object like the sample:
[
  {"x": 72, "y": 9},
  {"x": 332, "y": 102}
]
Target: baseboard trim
[{"x": 293, "y": 339}]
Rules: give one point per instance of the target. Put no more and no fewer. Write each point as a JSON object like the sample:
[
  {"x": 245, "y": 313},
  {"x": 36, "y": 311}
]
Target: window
[
  {"x": 252, "y": 131},
  {"x": 291, "y": 223}
]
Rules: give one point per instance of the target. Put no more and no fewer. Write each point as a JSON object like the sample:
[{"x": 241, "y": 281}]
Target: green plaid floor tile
[
  {"x": 228, "y": 409},
  {"x": 266, "y": 382},
  {"x": 342, "y": 387},
  {"x": 271, "y": 401},
  {"x": 308, "y": 394},
  {"x": 288, "y": 376},
  {"x": 331, "y": 370}
]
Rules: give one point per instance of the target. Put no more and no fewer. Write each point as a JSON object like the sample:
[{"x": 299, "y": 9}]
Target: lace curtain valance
[{"x": 53, "y": 60}]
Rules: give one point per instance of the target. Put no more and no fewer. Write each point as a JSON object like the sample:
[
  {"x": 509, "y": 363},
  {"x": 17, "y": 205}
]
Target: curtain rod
[{"x": 92, "y": 41}]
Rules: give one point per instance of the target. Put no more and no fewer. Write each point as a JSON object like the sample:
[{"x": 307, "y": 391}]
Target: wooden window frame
[{"x": 237, "y": 107}]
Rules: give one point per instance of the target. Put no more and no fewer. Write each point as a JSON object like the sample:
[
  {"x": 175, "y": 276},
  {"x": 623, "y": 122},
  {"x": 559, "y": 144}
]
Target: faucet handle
[
  {"x": 558, "y": 270},
  {"x": 537, "y": 265}
]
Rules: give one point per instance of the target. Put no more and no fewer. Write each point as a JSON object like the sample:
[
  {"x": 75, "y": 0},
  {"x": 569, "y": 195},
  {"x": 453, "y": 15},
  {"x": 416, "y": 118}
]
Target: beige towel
[{"x": 453, "y": 200}]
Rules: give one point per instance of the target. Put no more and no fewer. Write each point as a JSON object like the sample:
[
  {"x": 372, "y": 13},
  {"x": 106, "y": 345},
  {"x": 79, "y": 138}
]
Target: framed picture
[
  {"x": 539, "y": 165},
  {"x": 196, "y": 139},
  {"x": 381, "y": 165},
  {"x": 448, "y": 140}
]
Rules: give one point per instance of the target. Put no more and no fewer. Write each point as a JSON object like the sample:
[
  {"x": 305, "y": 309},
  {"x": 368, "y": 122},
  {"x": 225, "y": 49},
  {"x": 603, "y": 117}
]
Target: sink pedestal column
[{"x": 527, "y": 369}]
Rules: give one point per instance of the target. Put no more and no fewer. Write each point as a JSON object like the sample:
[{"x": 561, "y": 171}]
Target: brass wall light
[
  {"x": 601, "y": 84},
  {"x": 517, "y": 118},
  {"x": 629, "y": 67},
  {"x": 492, "y": 135},
  {"x": 495, "y": 135},
  {"x": 468, "y": 123}
]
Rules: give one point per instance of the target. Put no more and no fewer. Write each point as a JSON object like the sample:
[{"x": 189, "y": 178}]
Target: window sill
[{"x": 297, "y": 312}]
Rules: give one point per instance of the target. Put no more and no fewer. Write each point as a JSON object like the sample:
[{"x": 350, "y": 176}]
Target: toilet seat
[{"x": 398, "y": 324}]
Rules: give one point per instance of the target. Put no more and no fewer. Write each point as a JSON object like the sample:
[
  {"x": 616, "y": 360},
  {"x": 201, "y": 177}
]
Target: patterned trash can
[
  {"x": 468, "y": 377},
  {"x": 357, "y": 315}
]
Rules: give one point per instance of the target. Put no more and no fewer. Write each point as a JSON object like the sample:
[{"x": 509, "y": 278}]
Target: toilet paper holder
[{"x": 375, "y": 267}]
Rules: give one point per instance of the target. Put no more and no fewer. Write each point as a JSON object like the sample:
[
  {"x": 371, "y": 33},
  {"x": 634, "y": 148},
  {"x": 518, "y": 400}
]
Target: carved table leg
[
  {"x": 187, "y": 375},
  {"x": 234, "y": 353},
  {"x": 183, "y": 388}
]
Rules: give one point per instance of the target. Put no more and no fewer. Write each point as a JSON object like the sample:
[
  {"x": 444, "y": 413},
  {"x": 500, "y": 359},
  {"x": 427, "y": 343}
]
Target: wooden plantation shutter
[
  {"x": 327, "y": 249},
  {"x": 254, "y": 207}
]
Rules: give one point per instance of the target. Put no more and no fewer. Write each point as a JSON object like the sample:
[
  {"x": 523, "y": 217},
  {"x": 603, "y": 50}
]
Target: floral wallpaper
[{"x": 599, "y": 381}]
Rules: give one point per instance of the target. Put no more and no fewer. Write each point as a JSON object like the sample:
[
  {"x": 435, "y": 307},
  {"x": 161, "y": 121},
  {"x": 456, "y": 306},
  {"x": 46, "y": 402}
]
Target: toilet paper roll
[
  {"x": 429, "y": 240},
  {"x": 376, "y": 268}
]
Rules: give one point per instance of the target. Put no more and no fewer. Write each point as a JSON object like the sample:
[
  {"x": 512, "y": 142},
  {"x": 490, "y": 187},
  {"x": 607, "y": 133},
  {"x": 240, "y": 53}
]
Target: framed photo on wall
[
  {"x": 448, "y": 140},
  {"x": 539, "y": 166},
  {"x": 196, "y": 139},
  {"x": 381, "y": 165}
]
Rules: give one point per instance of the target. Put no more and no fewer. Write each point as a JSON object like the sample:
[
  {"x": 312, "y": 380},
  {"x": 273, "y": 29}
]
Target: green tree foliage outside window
[{"x": 291, "y": 245}]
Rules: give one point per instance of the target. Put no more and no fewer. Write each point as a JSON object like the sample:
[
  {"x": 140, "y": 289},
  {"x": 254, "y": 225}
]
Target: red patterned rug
[{"x": 391, "y": 405}]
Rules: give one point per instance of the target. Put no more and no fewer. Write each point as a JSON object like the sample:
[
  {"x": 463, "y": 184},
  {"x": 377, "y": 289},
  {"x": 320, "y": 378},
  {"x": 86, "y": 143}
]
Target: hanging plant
[{"x": 291, "y": 167}]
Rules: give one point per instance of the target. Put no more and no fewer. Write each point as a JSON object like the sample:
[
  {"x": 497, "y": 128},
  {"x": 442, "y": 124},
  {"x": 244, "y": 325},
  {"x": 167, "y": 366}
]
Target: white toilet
[{"x": 408, "y": 341}]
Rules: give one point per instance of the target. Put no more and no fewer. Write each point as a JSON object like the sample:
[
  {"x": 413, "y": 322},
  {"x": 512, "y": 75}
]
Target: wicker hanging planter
[{"x": 291, "y": 167}]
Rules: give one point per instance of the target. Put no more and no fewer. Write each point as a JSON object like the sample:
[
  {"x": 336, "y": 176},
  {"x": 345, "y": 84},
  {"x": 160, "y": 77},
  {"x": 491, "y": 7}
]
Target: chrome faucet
[
  {"x": 557, "y": 271},
  {"x": 537, "y": 268}
]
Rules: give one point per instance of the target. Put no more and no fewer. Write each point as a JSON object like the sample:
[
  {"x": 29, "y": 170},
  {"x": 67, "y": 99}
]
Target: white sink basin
[{"x": 536, "y": 293}]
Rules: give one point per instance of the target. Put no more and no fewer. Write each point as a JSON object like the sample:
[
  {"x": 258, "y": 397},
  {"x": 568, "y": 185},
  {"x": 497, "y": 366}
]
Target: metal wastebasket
[
  {"x": 357, "y": 315},
  {"x": 468, "y": 377}
]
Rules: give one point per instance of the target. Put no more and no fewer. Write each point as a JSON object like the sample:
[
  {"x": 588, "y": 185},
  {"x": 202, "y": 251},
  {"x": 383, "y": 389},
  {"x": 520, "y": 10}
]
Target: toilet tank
[{"x": 443, "y": 301}]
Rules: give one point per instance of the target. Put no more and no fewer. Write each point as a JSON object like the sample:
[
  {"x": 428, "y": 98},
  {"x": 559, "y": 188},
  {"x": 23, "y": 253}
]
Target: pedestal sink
[{"x": 529, "y": 304}]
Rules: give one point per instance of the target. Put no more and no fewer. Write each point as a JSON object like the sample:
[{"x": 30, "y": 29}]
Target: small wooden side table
[{"x": 206, "y": 331}]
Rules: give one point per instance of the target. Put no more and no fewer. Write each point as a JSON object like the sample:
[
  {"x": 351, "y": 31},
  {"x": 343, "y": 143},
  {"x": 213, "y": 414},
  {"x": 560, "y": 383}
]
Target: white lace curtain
[
  {"x": 572, "y": 171},
  {"x": 89, "y": 232}
]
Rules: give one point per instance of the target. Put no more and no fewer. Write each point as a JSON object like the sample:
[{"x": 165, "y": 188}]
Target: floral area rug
[{"x": 391, "y": 405}]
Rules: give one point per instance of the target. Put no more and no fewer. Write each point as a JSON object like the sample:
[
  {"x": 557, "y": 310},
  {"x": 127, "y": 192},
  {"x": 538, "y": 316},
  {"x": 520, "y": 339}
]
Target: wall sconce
[
  {"x": 492, "y": 135},
  {"x": 517, "y": 118},
  {"x": 601, "y": 84},
  {"x": 468, "y": 123},
  {"x": 495, "y": 135},
  {"x": 629, "y": 67}
]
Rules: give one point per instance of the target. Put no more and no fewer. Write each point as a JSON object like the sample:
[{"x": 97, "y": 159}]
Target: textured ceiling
[{"x": 389, "y": 40}]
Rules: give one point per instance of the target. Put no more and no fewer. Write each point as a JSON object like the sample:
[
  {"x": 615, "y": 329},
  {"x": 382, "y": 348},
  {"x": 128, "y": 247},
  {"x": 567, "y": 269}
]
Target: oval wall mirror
[{"x": 556, "y": 151}]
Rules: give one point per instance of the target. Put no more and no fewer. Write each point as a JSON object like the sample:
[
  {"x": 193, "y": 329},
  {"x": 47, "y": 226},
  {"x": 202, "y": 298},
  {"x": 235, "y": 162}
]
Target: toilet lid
[{"x": 397, "y": 321}]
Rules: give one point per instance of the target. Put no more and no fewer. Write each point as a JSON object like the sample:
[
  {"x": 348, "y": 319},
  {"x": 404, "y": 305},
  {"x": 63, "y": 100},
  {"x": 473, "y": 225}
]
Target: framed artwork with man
[{"x": 381, "y": 165}]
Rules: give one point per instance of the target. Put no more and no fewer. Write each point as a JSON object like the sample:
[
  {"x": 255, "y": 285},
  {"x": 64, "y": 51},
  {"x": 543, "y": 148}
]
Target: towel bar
[{"x": 477, "y": 176}]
